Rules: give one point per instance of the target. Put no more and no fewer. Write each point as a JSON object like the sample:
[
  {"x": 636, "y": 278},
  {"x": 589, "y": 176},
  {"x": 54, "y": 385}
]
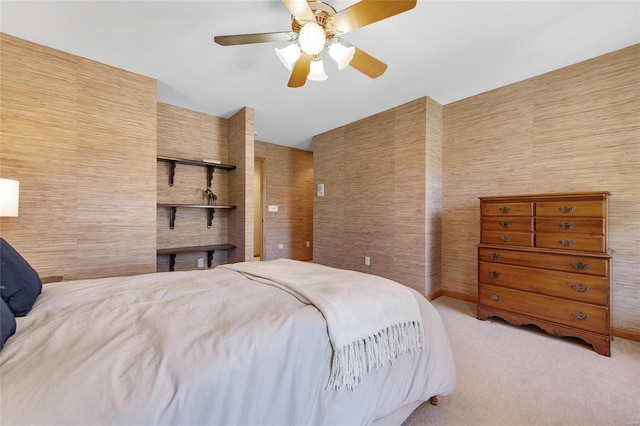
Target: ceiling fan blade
[
  {"x": 230, "y": 40},
  {"x": 367, "y": 64},
  {"x": 300, "y": 9},
  {"x": 300, "y": 71},
  {"x": 367, "y": 12}
]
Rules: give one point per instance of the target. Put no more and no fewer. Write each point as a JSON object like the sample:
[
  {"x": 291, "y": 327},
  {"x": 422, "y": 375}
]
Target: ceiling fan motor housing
[{"x": 322, "y": 12}]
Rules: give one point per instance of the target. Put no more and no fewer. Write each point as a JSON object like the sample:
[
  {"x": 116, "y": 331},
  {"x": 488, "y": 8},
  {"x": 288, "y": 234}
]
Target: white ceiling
[{"x": 447, "y": 50}]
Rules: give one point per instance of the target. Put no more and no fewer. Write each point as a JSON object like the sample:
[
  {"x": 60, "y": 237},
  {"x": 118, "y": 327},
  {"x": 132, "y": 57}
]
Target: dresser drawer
[
  {"x": 507, "y": 238},
  {"x": 506, "y": 209},
  {"x": 575, "y": 314},
  {"x": 570, "y": 208},
  {"x": 583, "y": 288},
  {"x": 499, "y": 223},
  {"x": 571, "y": 242},
  {"x": 558, "y": 262},
  {"x": 572, "y": 226}
]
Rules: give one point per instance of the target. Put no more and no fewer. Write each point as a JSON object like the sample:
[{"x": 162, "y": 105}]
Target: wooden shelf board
[{"x": 194, "y": 249}]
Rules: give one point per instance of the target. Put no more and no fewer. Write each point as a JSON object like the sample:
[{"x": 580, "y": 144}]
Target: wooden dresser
[{"x": 543, "y": 260}]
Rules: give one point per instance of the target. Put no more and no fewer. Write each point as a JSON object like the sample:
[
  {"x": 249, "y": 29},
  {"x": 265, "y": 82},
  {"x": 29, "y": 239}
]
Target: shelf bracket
[
  {"x": 172, "y": 262},
  {"x": 210, "y": 258},
  {"x": 210, "y": 170},
  {"x": 210, "y": 219},
  {"x": 172, "y": 172},
  {"x": 172, "y": 217}
]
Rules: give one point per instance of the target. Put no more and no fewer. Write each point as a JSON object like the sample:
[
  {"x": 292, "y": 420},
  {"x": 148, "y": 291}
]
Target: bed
[{"x": 214, "y": 347}]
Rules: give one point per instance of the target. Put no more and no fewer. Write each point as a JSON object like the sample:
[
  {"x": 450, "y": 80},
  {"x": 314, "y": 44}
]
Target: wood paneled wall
[
  {"x": 375, "y": 172},
  {"x": 241, "y": 154},
  {"x": 81, "y": 138},
  {"x": 192, "y": 135},
  {"x": 575, "y": 129},
  {"x": 289, "y": 185}
]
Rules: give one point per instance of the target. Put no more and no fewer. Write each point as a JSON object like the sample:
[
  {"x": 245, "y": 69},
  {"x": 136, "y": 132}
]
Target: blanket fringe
[{"x": 361, "y": 357}]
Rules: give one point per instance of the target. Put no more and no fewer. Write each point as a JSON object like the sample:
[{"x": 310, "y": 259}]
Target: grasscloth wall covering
[
  {"x": 376, "y": 172},
  {"x": 289, "y": 185},
  {"x": 183, "y": 133},
  {"x": 576, "y": 129},
  {"x": 80, "y": 137},
  {"x": 241, "y": 134}
]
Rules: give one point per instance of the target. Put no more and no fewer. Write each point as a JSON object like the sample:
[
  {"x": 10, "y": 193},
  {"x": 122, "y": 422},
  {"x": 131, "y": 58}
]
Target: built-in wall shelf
[
  {"x": 211, "y": 166},
  {"x": 210, "y": 249},
  {"x": 173, "y": 207}
]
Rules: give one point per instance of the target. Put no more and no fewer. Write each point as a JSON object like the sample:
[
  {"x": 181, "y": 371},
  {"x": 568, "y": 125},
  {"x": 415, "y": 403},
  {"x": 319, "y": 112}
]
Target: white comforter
[{"x": 198, "y": 347}]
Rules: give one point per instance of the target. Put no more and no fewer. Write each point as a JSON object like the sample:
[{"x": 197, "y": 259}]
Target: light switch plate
[{"x": 320, "y": 190}]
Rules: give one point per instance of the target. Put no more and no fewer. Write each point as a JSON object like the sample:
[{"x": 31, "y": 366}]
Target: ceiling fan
[{"x": 316, "y": 26}]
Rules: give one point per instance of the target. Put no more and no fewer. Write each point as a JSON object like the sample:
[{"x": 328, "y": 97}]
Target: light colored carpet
[{"x": 511, "y": 375}]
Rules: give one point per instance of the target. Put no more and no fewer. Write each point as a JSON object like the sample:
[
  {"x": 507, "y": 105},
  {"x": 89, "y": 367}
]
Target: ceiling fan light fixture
[
  {"x": 288, "y": 55},
  {"x": 316, "y": 71},
  {"x": 312, "y": 38},
  {"x": 341, "y": 54}
]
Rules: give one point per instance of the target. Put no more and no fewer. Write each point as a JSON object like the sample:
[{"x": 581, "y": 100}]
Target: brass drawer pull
[
  {"x": 505, "y": 224},
  {"x": 580, "y": 316},
  {"x": 566, "y": 209},
  {"x": 580, "y": 288},
  {"x": 566, "y": 243},
  {"x": 580, "y": 266},
  {"x": 494, "y": 297},
  {"x": 505, "y": 238},
  {"x": 505, "y": 209},
  {"x": 495, "y": 256},
  {"x": 494, "y": 274},
  {"x": 567, "y": 225}
]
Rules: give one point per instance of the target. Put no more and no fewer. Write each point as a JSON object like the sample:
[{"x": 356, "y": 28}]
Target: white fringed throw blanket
[{"x": 371, "y": 320}]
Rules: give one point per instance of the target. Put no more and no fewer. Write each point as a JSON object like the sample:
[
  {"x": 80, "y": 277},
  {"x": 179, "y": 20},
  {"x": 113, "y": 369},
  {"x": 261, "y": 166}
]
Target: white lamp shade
[
  {"x": 312, "y": 38},
  {"x": 9, "y": 197},
  {"x": 316, "y": 71},
  {"x": 341, "y": 54},
  {"x": 288, "y": 55}
]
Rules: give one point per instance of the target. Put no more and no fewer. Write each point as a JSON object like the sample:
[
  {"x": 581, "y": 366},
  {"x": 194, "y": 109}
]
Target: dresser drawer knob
[
  {"x": 580, "y": 316},
  {"x": 566, "y": 209},
  {"x": 494, "y": 297},
  {"x": 580, "y": 266},
  {"x": 566, "y": 225},
  {"x": 495, "y": 256},
  {"x": 566, "y": 243},
  {"x": 505, "y": 224},
  {"x": 505, "y": 238},
  {"x": 580, "y": 288},
  {"x": 505, "y": 209},
  {"x": 494, "y": 274}
]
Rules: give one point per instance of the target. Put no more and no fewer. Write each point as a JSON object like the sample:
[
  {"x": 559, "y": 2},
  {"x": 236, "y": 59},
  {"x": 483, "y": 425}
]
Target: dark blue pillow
[
  {"x": 7, "y": 323},
  {"x": 20, "y": 284}
]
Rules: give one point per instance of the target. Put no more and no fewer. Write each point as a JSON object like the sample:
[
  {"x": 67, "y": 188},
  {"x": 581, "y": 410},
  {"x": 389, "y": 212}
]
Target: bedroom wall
[
  {"x": 193, "y": 135},
  {"x": 574, "y": 129},
  {"x": 80, "y": 137},
  {"x": 241, "y": 194},
  {"x": 379, "y": 175},
  {"x": 289, "y": 185}
]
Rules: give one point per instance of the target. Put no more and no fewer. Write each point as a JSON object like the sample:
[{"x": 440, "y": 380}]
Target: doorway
[{"x": 259, "y": 173}]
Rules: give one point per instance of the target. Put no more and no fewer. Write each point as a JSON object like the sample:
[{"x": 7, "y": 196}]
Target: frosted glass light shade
[
  {"x": 9, "y": 197},
  {"x": 341, "y": 54},
  {"x": 312, "y": 38},
  {"x": 288, "y": 55},
  {"x": 316, "y": 71}
]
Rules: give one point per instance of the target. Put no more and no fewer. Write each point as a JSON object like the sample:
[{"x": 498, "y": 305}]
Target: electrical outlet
[
  {"x": 367, "y": 261},
  {"x": 200, "y": 262},
  {"x": 280, "y": 246}
]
